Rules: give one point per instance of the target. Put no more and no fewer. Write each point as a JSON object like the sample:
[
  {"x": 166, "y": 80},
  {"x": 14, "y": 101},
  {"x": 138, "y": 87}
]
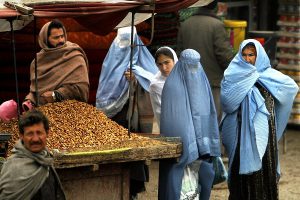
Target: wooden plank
[
  {"x": 110, "y": 181},
  {"x": 172, "y": 148}
]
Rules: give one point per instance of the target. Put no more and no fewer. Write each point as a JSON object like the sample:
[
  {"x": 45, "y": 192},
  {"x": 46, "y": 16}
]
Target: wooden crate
[{"x": 105, "y": 182}]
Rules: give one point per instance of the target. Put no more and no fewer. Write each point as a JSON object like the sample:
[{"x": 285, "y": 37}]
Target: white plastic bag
[{"x": 190, "y": 188}]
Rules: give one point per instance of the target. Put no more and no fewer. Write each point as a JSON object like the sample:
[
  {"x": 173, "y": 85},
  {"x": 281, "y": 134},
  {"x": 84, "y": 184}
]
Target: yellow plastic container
[{"x": 236, "y": 31}]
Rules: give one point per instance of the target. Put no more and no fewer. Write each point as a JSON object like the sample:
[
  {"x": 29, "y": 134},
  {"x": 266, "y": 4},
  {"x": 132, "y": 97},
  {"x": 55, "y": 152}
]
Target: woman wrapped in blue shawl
[
  {"x": 188, "y": 111},
  {"x": 256, "y": 100},
  {"x": 113, "y": 90}
]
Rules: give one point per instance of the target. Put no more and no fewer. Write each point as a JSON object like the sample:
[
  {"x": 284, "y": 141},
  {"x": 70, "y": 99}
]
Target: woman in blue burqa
[
  {"x": 256, "y": 100},
  {"x": 113, "y": 92},
  {"x": 188, "y": 111}
]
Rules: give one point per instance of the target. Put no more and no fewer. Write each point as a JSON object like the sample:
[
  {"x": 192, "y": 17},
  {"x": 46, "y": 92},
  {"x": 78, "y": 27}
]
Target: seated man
[
  {"x": 29, "y": 173},
  {"x": 62, "y": 69}
]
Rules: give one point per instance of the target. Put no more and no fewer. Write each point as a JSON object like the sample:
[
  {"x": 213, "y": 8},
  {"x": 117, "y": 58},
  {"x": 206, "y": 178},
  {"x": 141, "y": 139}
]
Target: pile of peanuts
[{"x": 76, "y": 126}]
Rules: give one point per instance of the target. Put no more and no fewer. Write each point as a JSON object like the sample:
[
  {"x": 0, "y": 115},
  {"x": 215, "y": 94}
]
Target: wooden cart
[{"x": 104, "y": 175}]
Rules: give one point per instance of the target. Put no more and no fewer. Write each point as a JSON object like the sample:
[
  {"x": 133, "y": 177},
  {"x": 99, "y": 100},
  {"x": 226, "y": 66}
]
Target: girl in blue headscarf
[
  {"x": 188, "y": 111},
  {"x": 256, "y": 100}
]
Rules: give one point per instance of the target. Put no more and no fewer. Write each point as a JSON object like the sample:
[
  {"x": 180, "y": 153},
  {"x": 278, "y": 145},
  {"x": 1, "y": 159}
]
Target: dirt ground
[{"x": 289, "y": 184}]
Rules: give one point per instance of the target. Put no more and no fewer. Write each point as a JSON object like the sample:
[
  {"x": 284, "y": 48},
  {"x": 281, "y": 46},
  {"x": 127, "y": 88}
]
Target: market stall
[
  {"x": 86, "y": 171},
  {"x": 93, "y": 155},
  {"x": 91, "y": 21}
]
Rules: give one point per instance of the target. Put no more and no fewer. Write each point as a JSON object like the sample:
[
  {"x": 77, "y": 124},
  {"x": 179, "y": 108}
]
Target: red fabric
[
  {"x": 163, "y": 6},
  {"x": 89, "y": 40},
  {"x": 80, "y": 9},
  {"x": 100, "y": 24},
  {"x": 8, "y": 110},
  {"x": 100, "y": 17},
  {"x": 95, "y": 56},
  {"x": 6, "y": 13}
]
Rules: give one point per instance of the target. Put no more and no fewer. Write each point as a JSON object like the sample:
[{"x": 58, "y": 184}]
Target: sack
[
  {"x": 190, "y": 187},
  {"x": 8, "y": 110},
  {"x": 221, "y": 174}
]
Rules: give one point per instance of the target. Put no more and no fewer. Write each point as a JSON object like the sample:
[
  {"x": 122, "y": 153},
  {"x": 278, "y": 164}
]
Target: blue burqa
[
  {"x": 187, "y": 111},
  {"x": 113, "y": 89},
  {"x": 238, "y": 91}
]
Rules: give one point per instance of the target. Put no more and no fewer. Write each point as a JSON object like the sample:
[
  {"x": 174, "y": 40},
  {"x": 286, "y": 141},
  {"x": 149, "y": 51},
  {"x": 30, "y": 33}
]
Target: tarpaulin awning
[
  {"x": 89, "y": 7},
  {"x": 99, "y": 16}
]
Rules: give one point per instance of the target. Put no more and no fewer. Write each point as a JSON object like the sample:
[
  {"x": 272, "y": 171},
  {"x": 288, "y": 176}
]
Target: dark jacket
[
  {"x": 51, "y": 189},
  {"x": 206, "y": 34}
]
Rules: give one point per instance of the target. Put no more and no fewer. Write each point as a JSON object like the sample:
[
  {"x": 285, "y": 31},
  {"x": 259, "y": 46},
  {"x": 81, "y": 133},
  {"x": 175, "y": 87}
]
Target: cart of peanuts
[{"x": 93, "y": 154}]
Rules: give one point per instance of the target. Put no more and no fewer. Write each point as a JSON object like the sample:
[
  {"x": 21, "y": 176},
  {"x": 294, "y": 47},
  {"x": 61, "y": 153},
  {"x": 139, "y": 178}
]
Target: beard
[{"x": 57, "y": 45}]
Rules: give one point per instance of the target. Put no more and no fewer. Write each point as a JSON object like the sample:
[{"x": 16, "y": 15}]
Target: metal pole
[
  {"x": 152, "y": 32},
  {"x": 35, "y": 65},
  {"x": 131, "y": 89},
  {"x": 15, "y": 65}
]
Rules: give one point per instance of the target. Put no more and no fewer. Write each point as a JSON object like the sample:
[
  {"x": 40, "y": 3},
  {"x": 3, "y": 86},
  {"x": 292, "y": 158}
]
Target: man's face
[
  {"x": 56, "y": 38},
  {"x": 34, "y": 137}
]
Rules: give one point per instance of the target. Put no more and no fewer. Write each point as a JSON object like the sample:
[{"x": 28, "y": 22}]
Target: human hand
[
  {"x": 127, "y": 76},
  {"x": 47, "y": 97}
]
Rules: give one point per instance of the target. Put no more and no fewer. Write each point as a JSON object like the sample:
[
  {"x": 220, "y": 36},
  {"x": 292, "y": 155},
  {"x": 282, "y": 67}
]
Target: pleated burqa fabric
[
  {"x": 113, "y": 89},
  {"x": 187, "y": 111}
]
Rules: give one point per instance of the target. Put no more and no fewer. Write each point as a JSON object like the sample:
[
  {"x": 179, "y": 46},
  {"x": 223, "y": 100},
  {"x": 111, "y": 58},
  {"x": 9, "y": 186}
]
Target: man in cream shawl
[
  {"x": 28, "y": 174},
  {"x": 62, "y": 69}
]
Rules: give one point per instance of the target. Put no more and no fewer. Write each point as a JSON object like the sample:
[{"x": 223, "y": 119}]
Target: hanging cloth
[{"x": 113, "y": 89}]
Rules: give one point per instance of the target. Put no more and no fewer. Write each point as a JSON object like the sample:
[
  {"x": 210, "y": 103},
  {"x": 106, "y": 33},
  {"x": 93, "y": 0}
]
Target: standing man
[
  {"x": 28, "y": 174},
  {"x": 62, "y": 69},
  {"x": 205, "y": 33}
]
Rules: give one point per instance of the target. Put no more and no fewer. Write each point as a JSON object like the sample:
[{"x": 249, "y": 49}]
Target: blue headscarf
[
  {"x": 187, "y": 111},
  {"x": 113, "y": 89},
  {"x": 238, "y": 90}
]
